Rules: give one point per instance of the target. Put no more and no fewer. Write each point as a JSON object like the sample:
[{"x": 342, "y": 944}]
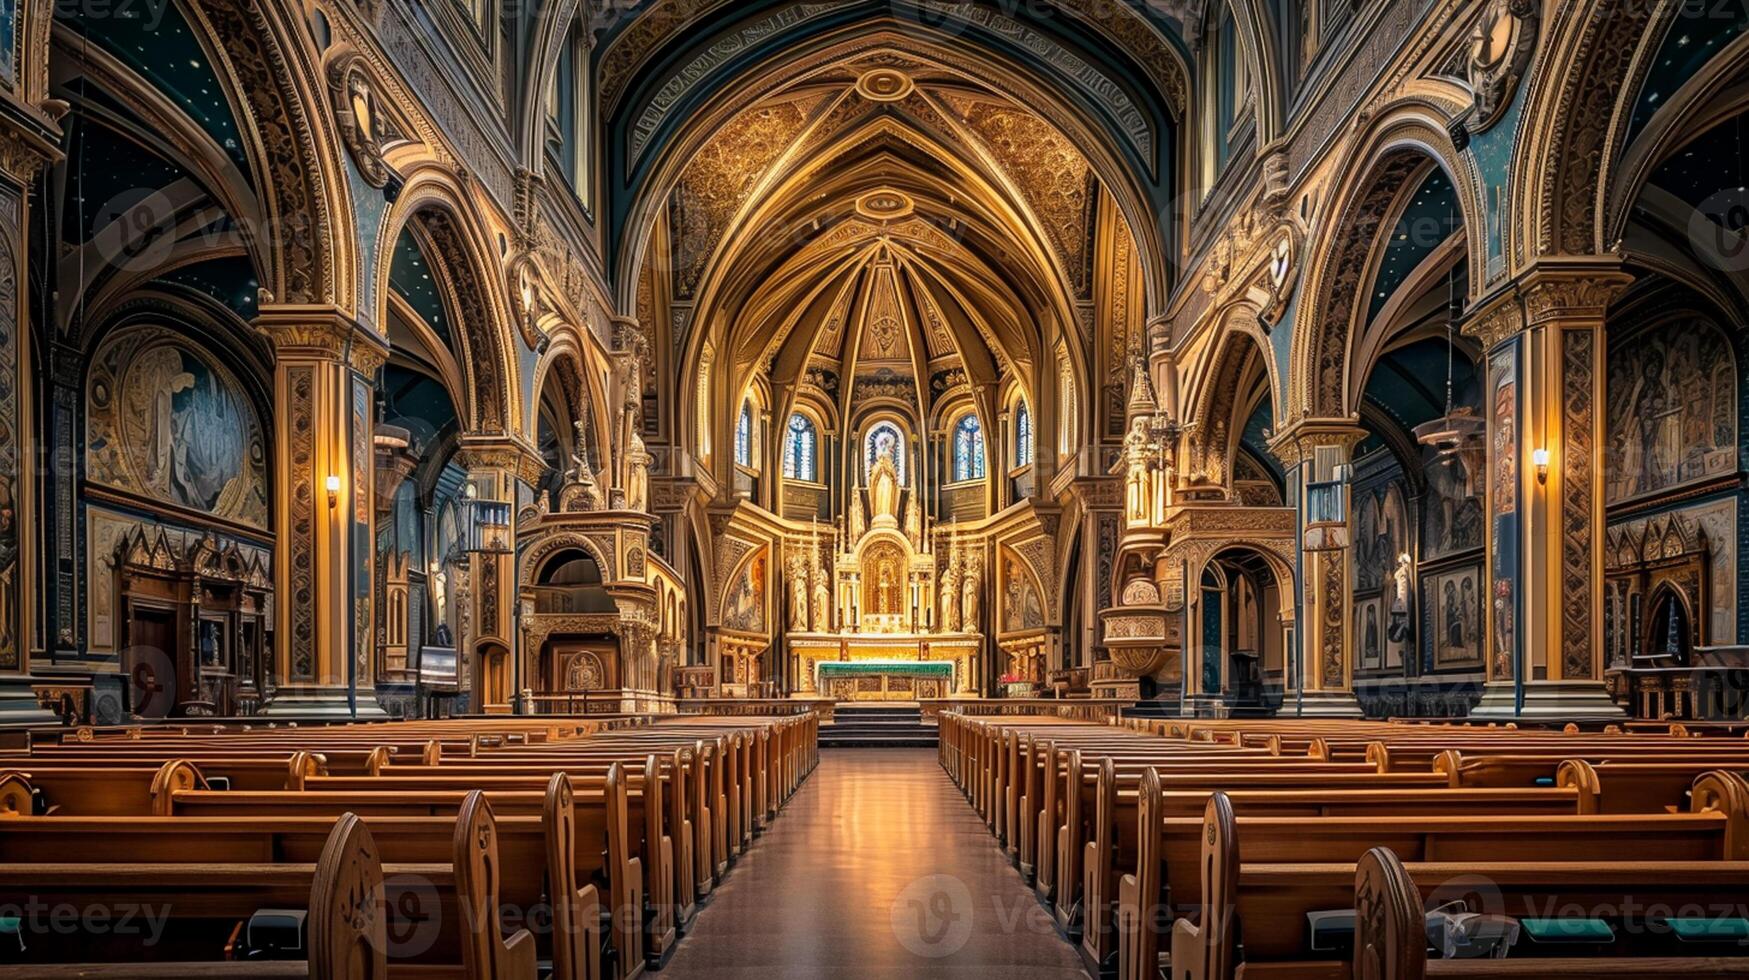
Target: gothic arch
[
  {"x": 1243, "y": 351},
  {"x": 567, "y": 363},
  {"x": 536, "y": 557},
  {"x": 1576, "y": 113},
  {"x": 433, "y": 201},
  {"x": 649, "y": 188},
  {"x": 311, "y": 249},
  {"x": 1400, "y": 146}
]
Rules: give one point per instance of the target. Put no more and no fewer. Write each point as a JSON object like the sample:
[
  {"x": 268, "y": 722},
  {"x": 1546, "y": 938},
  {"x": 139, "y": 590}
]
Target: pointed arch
[
  {"x": 474, "y": 289},
  {"x": 1400, "y": 146}
]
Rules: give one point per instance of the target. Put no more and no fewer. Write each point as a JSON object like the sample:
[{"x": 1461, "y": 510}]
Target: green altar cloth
[{"x": 879, "y": 668}]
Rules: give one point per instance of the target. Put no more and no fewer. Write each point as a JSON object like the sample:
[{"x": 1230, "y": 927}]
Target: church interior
[{"x": 418, "y": 417}]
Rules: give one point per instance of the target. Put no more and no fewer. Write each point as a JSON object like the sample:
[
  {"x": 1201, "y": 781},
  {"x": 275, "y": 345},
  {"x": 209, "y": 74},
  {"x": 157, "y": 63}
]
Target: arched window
[
  {"x": 884, "y": 440},
  {"x": 800, "y": 450},
  {"x": 744, "y": 435},
  {"x": 1022, "y": 435},
  {"x": 968, "y": 449}
]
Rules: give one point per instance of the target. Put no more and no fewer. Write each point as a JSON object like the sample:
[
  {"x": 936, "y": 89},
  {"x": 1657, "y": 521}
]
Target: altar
[
  {"x": 882, "y": 680},
  {"x": 883, "y": 621},
  {"x": 884, "y": 667}
]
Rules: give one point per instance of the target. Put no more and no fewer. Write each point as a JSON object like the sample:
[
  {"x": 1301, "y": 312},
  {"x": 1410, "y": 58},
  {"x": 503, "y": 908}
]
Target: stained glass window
[
  {"x": 800, "y": 446},
  {"x": 744, "y": 435},
  {"x": 968, "y": 449},
  {"x": 1022, "y": 435},
  {"x": 884, "y": 440}
]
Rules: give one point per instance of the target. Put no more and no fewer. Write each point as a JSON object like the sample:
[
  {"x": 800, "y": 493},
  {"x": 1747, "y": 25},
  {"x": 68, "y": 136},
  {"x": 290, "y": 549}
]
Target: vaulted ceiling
[{"x": 887, "y": 188}]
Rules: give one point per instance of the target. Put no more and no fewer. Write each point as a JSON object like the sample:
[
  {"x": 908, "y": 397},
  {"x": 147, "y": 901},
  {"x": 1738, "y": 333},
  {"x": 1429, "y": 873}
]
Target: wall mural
[
  {"x": 1381, "y": 533},
  {"x": 1672, "y": 409},
  {"x": 1369, "y": 635},
  {"x": 744, "y": 606},
  {"x": 1452, "y": 514},
  {"x": 1454, "y": 624},
  {"x": 167, "y": 424},
  {"x": 1503, "y": 462}
]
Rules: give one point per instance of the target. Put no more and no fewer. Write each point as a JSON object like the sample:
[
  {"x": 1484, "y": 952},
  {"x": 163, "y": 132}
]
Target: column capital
[
  {"x": 1293, "y": 445},
  {"x": 503, "y": 453},
  {"x": 28, "y": 142},
  {"x": 1571, "y": 293},
  {"x": 628, "y": 334},
  {"x": 321, "y": 332},
  {"x": 1549, "y": 292}
]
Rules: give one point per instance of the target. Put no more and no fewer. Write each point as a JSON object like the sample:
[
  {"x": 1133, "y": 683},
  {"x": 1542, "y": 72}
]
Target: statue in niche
[
  {"x": 1138, "y": 456},
  {"x": 913, "y": 520},
  {"x": 949, "y": 609},
  {"x": 856, "y": 518},
  {"x": 1399, "y": 625},
  {"x": 883, "y": 494},
  {"x": 822, "y": 600},
  {"x": 970, "y": 593},
  {"x": 638, "y": 478},
  {"x": 798, "y": 595}
]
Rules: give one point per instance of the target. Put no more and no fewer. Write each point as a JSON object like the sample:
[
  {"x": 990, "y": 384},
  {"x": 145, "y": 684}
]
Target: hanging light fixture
[{"x": 1459, "y": 433}]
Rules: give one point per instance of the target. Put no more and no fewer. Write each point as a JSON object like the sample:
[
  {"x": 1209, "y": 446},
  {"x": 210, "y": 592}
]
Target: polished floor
[{"x": 877, "y": 868}]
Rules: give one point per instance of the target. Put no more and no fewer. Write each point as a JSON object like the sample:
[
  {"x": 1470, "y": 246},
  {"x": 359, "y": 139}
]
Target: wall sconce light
[
  {"x": 1540, "y": 459},
  {"x": 333, "y": 485}
]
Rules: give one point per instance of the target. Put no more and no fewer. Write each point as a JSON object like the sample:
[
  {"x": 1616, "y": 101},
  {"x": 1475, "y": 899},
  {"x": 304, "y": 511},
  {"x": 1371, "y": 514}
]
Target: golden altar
[{"x": 884, "y": 667}]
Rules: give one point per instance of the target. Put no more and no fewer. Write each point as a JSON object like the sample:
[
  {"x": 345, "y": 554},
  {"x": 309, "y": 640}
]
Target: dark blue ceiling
[
  {"x": 1430, "y": 217},
  {"x": 155, "y": 41},
  {"x": 1699, "y": 31},
  {"x": 1712, "y": 163},
  {"x": 417, "y": 402},
  {"x": 107, "y": 174},
  {"x": 1408, "y": 385},
  {"x": 229, "y": 280},
  {"x": 410, "y": 276}
]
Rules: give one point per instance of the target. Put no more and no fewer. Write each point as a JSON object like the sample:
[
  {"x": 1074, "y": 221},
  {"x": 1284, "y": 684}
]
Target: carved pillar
[
  {"x": 492, "y": 656},
  {"x": 1322, "y": 681},
  {"x": 324, "y": 511},
  {"x": 1545, "y": 393},
  {"x": 25, "y": 144}
]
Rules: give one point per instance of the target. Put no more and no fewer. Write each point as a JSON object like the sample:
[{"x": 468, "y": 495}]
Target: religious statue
[
  {"x": 883, "y": 494},
  {"x": 913, "y": 520},
  {"x": 798, "y": 595},
  {"x": 1398, "y": 630},
  {"x": 1138, "y": 455},
  {"x": 638, "y": 476},
  {"x": 970, "y": 593},
  {"x": 949, "y": 609},
  {"x": 856, "y": 518},
  {"x": 822, "y": 600}
]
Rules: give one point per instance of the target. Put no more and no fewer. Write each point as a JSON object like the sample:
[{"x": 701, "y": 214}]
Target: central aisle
[{"x": 876, "y": 868}]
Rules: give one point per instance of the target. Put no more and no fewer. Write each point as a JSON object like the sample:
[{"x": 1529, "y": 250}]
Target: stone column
[
  {"x": 490, "y": 650},
  {"x": 324, "y": 511},
  {"x": 25, "y": 145},
  {"x": 1545, "y": 392},
  {"x": 1323, "y": 685}
]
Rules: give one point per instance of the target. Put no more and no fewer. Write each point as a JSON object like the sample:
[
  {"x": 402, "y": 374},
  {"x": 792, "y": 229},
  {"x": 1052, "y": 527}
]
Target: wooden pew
[
  {"x": 347, "y": 917},
  {"x": 344, "y": 891},
  {"x": 536, "y": 856},
  {"x": 1390, "y": 941},
  {"x": 1263, "y": 902}
]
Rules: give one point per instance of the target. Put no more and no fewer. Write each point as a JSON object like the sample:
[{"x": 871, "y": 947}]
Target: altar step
[{"x": 878, "y": 725}]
